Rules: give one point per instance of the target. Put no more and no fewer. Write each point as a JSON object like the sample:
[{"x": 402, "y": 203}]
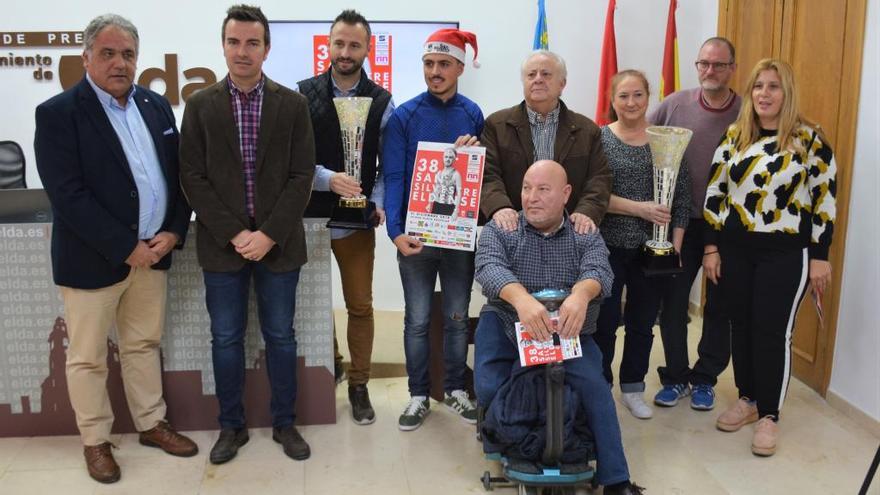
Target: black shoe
[
  {"x": 294, "y": 445},
  {"x": 361, "y": 409},
  {"x": 625, "y": 488},
  {"x": 227, "y": 444},
  {"x": 339, "y": 372}
]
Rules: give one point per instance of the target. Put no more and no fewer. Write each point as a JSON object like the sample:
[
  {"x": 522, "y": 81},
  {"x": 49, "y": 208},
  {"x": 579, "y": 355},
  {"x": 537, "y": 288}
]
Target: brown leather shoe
[
  {"x": 165, "y": 438},
  {"x": 100, "y": 463}
]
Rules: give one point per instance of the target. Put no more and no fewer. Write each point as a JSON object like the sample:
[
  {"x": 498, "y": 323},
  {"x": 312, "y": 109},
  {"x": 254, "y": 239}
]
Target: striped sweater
[{"x": 779, "y": 199}]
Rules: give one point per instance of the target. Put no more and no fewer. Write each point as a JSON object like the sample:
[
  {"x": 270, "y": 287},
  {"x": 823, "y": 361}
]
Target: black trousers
[
  {"x": 762, "y": 289},
  {"x": 713, "y": 350},
  {"x": 642, "y": 304}
]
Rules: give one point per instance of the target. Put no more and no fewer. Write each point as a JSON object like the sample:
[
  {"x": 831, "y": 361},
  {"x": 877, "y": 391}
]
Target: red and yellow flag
[
  {"x": 669, "y": 78},
  {"x": 608, "y": 65}
]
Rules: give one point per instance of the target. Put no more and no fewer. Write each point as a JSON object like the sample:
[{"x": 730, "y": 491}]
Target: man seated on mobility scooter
[{"x": 546, "y": 252}]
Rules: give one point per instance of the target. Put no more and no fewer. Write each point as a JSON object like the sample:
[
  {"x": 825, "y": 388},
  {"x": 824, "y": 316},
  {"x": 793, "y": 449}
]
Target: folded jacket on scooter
[{"x": 515, "y": 423}]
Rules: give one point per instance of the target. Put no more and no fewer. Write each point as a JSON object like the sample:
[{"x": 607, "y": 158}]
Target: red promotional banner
[
  {"x": 378, "y": 64},
  {"x": 444, "y": 199},
  {"x": 321, "y": 44}
]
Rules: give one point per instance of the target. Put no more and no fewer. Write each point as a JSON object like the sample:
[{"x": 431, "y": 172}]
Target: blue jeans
[
  {"x": 418, "y": 273},
  {"x": 642, "y": 305},
  {"x": 496, "y": 357},
  {"x": 226, "y": 294}
]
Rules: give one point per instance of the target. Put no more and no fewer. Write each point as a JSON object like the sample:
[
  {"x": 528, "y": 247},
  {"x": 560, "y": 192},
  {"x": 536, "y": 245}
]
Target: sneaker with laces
[
  {"x": 635, "y": 402},
  {"x": 739, "y": 414},
  {"x": 703, "y": 398},
  {"x": 669, "y": 395},
  {"x": 414, "y": 415},
  {"x": 764, "y": 438},
  {"x": 361, "y": 409},
  {"x": 460, "y": 403}
]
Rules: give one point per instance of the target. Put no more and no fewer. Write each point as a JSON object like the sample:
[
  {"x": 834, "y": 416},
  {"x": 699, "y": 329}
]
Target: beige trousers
[{"x": 137, "y": 306}]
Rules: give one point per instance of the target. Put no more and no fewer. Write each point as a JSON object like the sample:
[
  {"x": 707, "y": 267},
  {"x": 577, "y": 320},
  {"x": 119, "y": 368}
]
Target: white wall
[
  {"x": 504, "y": 30},
  {"x": 856, "y": 373}
]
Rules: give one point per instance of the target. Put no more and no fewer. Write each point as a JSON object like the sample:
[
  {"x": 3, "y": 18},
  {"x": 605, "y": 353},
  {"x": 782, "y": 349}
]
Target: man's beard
[
  {"x": 355, "y": 67},
  {"x": 711, "y": 85}
]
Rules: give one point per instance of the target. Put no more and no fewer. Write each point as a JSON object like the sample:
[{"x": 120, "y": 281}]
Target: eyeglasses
[{"x": 703, "y": 65}]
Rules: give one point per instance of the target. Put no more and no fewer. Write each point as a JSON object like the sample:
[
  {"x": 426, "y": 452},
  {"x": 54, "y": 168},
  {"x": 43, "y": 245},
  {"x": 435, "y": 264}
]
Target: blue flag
[{"x": 541, "y": 40}]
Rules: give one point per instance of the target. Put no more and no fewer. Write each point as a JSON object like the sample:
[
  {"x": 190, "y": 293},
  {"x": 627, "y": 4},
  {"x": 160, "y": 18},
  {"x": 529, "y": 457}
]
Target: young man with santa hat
[{"x": 442, "y": 115}]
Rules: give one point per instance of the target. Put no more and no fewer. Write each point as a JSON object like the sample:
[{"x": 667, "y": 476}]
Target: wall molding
[{"x": 849, "y": 410}]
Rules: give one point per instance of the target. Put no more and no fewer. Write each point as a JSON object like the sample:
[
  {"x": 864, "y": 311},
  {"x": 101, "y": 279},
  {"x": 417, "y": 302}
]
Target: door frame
[{"x": 819, "y": 376}]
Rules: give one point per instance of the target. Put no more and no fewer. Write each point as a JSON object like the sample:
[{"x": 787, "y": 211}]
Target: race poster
[
  {"x": 444, "y": 196},
  {"x": 533, "y": 351}
]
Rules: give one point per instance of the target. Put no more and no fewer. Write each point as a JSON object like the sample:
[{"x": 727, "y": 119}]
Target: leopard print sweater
[{"x": 782, "y": 199}]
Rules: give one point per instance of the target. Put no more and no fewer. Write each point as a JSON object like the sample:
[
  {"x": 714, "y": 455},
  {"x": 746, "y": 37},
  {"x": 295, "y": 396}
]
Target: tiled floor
[{"x": 677, "y": 452}]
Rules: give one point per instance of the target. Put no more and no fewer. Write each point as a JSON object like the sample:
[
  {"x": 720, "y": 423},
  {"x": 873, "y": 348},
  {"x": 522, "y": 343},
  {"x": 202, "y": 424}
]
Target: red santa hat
[{"x": 451, "y": 42}]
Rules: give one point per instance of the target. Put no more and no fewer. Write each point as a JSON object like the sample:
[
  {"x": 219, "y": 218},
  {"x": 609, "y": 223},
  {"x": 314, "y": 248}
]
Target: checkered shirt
[
  {"x": 538, "y": 261},
  {"x": 543, "y": 132},
  {"x": 247, "y": 109}
]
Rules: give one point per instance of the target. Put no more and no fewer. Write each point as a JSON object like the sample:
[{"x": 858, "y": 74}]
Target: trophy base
[
  {"x": 355, "y": 202},
  {"x": 354, "y": 217},
  {"x": 660, "y": 261}
]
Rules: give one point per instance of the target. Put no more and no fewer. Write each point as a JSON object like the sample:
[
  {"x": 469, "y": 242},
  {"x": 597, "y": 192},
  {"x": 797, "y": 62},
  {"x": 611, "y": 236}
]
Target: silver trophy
[
  {"x": 353, "y": 212},
  {"x": 667, "y": 148}
]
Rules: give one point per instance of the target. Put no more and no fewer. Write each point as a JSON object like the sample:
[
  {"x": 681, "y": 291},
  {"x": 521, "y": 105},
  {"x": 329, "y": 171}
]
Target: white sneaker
[{"x": 636, "y": 405}]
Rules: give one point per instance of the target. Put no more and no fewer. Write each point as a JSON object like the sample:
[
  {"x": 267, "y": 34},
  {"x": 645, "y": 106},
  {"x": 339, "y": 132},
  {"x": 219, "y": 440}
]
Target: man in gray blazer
[{"x": 247, "y": 159}]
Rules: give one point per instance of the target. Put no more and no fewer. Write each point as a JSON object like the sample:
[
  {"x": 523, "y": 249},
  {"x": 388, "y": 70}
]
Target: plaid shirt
[
  {"x": 247, "y": 109},
  {"x": 538, "y": 261},
  {"x": 543, "y": 132}
]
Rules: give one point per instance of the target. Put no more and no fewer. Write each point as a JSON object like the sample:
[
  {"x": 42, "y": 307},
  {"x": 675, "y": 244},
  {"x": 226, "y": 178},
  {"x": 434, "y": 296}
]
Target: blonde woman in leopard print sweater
[{"x": 771, "y": 206}]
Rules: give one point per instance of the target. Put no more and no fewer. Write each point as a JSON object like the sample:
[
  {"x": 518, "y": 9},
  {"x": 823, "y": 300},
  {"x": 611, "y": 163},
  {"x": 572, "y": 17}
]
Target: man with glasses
[{"x": 707, "y": 110}]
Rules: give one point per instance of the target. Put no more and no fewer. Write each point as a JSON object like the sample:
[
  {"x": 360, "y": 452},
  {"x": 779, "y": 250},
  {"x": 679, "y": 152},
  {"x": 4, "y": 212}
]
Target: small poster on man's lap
[{"x": 533, "y": 351}]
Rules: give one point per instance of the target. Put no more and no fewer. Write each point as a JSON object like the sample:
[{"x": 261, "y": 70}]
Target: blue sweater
[{"x": 423, "y": 118}]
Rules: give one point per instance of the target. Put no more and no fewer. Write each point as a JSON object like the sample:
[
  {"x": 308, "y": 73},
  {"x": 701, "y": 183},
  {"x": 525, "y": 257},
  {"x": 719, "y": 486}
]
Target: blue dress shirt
[{"x": 140, "y": 152}]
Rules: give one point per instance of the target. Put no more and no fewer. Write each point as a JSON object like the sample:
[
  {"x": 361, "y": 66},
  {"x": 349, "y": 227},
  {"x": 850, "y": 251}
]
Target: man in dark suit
[
  {"x": 107, "y": 155},
  {"x": 543, "y": 128},
  {"x": 247, "y": 161}
]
